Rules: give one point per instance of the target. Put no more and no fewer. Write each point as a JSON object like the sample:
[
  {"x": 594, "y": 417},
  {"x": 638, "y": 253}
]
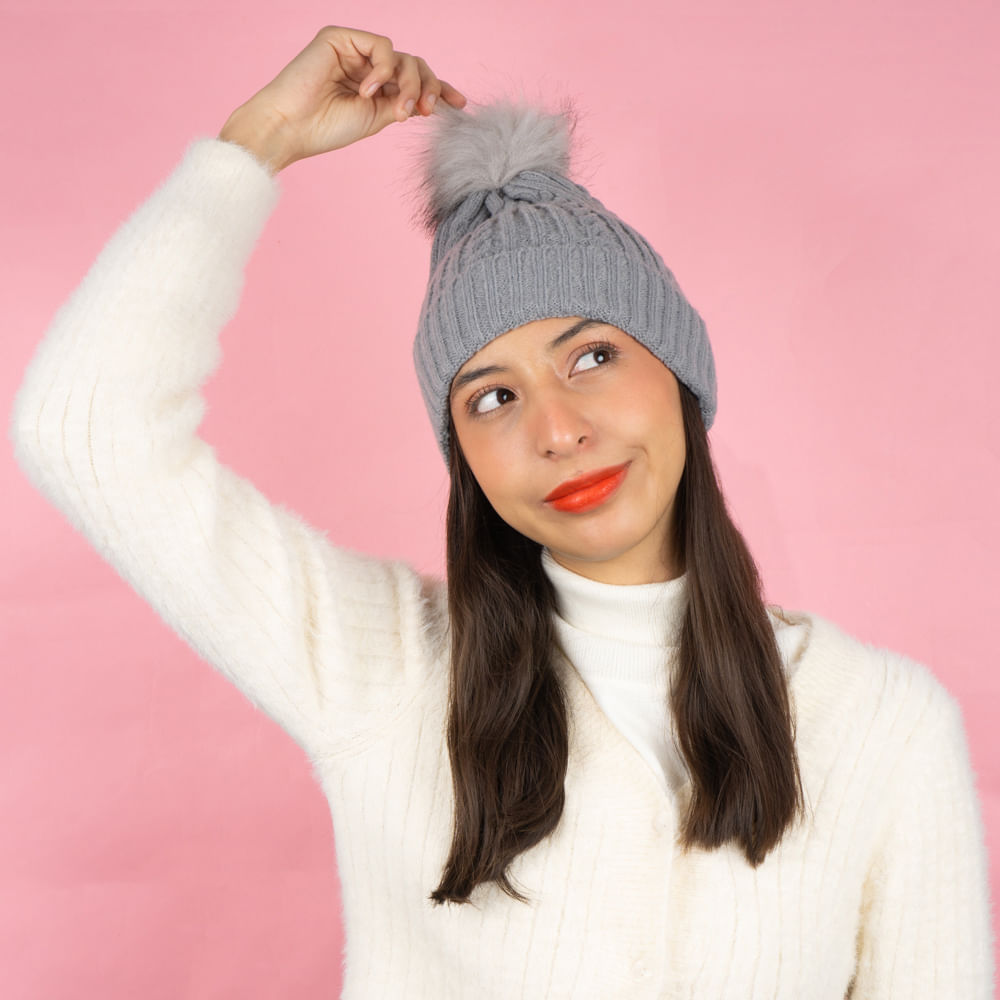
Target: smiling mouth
[{"x": 584, "y": 493}]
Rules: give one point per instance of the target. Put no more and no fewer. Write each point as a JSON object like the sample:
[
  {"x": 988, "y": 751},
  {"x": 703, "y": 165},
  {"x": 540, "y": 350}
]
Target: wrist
[{"x": 259, "y": 135}]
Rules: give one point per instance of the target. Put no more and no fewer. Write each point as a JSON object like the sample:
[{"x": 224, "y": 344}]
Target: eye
[
  {"x": 595, "y": 355},
  {"x": 489, "y": 399}
]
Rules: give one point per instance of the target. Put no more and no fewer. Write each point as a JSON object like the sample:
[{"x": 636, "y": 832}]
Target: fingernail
[
  {"x": 431, "y": 98},
  {"x": 371, "y": 88},
  {"x": 409, "y": 106}
]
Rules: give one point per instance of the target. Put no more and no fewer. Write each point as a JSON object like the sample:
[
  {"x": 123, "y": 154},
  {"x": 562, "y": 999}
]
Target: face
[{"x": 575, "y": 434}]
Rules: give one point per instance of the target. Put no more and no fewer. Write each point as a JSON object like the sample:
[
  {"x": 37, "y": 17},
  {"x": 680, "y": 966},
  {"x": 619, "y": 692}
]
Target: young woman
[{"x": 594, "y": 764}]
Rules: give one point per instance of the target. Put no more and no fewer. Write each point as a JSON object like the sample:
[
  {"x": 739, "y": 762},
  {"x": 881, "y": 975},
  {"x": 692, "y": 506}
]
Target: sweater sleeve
[
  {"x": 926, "y": 923},
  {"x": 104, "y": 426}
]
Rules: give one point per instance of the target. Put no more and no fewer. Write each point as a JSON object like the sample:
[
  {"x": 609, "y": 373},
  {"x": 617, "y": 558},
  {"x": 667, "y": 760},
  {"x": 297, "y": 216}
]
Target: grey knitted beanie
[{"x": 515, "y": 240}]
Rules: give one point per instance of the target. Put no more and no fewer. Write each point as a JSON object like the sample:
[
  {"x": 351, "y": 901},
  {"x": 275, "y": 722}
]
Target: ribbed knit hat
[{"x": 515, "y": 240}]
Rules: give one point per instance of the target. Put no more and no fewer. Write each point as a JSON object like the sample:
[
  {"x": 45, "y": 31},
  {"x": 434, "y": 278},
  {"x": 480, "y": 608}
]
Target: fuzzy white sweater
[{"x": 881, "y": 893}]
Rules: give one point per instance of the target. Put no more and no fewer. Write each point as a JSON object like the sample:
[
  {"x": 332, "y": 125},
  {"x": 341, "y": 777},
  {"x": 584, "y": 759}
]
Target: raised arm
[{"x": 104, "y": 423}]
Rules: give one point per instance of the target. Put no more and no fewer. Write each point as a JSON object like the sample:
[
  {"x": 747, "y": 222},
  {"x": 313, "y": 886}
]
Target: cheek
[
  {"x": 647, "y": 420},
  {"x": 505, "y": 492},
  {"x": 491, "y": 452},
  {"x": 651, "y": 418},
  {"x": 488, "y": 466},
  {"x": 491, "y": 486}
]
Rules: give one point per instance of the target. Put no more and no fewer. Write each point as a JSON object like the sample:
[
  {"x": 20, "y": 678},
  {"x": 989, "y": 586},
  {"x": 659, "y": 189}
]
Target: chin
[
  {"x": 599, "y": 551},
  {"x": 609, "y": 542}
]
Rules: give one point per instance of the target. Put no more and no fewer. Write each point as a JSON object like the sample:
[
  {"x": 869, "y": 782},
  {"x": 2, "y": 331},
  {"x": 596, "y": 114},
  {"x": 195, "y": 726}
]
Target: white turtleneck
[
  {"x": 623, "y": 642},
  {"x": 882, "y": 894}
]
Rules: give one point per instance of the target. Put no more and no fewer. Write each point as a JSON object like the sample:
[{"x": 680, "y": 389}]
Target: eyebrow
[{"x": 474, "y": 373}]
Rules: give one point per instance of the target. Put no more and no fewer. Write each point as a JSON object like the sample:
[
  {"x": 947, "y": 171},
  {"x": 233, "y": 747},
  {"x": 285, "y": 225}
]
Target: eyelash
[
  {"x": 481, "y": 394},
  {"x": 601, "y": 346}
]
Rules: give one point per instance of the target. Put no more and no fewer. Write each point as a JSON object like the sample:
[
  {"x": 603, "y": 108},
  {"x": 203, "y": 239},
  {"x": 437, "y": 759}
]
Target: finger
[
  {"x": 430, "y": 88},
  {"x": 382, "y": 56},
  {"x": 409, "y": 83},
  {"x": 355, "y": 50},
  {"x": 454, "y": 97}
]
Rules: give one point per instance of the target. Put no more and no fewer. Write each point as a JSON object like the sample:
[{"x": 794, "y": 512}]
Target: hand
[{"x": 345, "y": 85}]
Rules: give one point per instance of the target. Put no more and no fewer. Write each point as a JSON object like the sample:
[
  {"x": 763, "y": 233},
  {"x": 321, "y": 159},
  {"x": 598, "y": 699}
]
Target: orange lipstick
[{"x": 577, "y": 496}]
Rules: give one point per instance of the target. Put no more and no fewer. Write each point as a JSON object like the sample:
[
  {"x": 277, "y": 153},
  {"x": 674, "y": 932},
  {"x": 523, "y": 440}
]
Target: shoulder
[
  {"x": 846, "y": 691},
  {"x": 835, "y": 662}
]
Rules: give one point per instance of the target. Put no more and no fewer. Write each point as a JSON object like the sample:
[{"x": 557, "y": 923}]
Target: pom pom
[{"x": 483, "y": 149}]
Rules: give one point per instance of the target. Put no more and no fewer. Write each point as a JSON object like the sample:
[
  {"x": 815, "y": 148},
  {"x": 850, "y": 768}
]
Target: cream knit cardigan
[{"x": 881, "y": 893}]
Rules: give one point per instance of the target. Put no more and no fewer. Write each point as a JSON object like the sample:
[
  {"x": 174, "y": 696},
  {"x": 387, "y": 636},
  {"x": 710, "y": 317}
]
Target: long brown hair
[{"x": 507, "y": 721}]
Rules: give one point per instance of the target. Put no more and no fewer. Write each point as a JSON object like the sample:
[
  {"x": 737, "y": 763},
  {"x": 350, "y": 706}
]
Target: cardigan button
[{"x": 640, "y": 970}]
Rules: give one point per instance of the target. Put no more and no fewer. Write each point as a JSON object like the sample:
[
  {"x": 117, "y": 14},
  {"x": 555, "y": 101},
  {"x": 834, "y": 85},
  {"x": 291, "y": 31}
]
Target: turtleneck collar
[
  {"x": 626, "y": 621},
  {"x": 646, "y": 613}
]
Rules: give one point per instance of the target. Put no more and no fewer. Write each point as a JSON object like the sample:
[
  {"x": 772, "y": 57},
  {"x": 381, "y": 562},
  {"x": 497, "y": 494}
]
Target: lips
[{"x": 588, "y": 491}]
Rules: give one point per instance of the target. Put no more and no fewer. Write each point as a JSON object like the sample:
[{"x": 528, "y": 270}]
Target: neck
[
  {"x": 649, "y": 613},
  {"x": 627, "y": 570}
]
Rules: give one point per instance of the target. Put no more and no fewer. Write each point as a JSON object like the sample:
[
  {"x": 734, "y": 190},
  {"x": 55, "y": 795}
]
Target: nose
[{"x": 561, "y": 424}]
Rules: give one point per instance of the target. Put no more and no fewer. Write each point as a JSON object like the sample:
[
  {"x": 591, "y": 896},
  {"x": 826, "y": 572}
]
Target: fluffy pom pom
[{"x": 483, "y": 149}]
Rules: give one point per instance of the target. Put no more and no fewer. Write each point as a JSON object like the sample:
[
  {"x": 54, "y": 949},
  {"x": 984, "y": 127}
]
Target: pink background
[{"x": 821, "y": 178}]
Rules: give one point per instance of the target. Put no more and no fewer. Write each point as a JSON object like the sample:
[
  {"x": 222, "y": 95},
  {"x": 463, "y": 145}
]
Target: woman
[{"x": 596, "y": 764}]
